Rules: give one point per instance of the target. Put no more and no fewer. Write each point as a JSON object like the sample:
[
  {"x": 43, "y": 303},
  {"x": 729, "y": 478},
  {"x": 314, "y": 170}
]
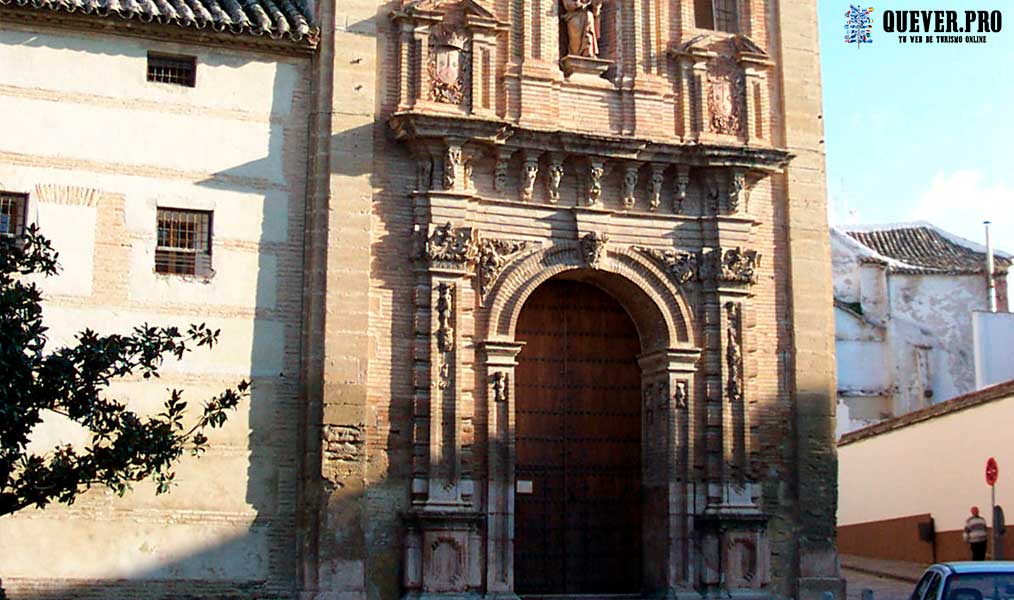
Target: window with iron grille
[
  {"x": 177, "y": 70},
  {"x": 12, "y": 213},
  {"x": 184, "y": 242},
  {"x": 718, "y": 15}
]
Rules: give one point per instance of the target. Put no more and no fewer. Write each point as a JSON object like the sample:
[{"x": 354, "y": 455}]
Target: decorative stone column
[{"x": 500, "y": 361}]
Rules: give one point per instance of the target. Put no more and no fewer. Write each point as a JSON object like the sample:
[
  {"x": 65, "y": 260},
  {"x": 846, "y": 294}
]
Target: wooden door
[{"x": 578, "y": 452}]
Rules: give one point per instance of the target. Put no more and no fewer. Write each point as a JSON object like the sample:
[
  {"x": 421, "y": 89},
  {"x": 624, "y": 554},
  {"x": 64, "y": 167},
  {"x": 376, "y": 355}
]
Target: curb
[{"x": 879, "y": 573}]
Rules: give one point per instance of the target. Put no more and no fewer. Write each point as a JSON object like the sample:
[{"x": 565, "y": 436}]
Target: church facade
[{"x": 541, "y": 298}]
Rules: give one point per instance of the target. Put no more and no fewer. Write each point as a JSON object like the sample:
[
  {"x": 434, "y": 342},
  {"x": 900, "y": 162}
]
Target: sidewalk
[{"x": 894, "y": 569}]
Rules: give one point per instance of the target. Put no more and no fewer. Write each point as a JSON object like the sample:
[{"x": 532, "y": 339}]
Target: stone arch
[{"x": 648, "y": 294}]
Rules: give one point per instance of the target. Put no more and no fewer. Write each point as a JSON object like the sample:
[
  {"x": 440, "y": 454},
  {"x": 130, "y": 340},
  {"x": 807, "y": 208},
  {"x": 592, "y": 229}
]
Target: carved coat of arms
[
  {"x": 447, "y": 66},
  {"x": 725, "y": 97}
]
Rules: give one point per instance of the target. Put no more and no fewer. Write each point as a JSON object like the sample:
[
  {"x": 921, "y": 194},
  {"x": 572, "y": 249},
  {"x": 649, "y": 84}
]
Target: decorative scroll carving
[
  {"x": 494, "y": 255},
  {"x": 681, "y": 397},
  {"x": 583, "y": 27},
  {"x": 726, "y": 97},
  {"x": 655, "y": 197},
  {"x": 450, "y": 245},
  {"x": 529, "y": 173},
  {"x": 499, "y": 385},
  {"x": 554, "y": 179},
  {"x": 447, "y": 66},
  {"x": 629, "y": 187},
  {"x": 732, "y": 265},
  {"x": 733, "y": 353},
  {"x": 682, "y": 186},
  {"x": 679, "y": 264},
  {"x": 452, "y": 160},
  {"x": 595, "y": 172},
  {"x": 593, "y": 246}
]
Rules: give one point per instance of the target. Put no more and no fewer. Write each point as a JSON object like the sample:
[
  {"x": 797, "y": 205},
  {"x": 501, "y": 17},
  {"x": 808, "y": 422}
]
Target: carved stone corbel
[
  {"x": 682, "y": 187},
  {"x": 596, "y": 169},
  {"x": 655, "y": 193},
  {"x": 630, "y": 185},
  {"x": 503, "y": 158},
  {"x": 529, "y": 172},
  {"x": 555, "y": 176}
]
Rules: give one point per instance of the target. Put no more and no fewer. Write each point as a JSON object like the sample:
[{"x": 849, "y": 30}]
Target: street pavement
[{"x": 884, "y": 588}]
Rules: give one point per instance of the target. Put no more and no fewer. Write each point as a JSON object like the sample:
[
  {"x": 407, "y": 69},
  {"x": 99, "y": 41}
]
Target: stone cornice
[
  {"x": 158, "y": 31},
  {"x": 411, "y": 125}
]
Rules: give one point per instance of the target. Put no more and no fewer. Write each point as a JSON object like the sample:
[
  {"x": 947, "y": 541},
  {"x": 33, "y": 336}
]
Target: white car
[{"x": 985, "y": 580}]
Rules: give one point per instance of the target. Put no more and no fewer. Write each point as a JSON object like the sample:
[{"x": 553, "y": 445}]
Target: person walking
[{"x": 976, "y": 534}]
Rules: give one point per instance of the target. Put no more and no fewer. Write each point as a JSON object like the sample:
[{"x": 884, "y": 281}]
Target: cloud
[{"x": 960, "y": 201}]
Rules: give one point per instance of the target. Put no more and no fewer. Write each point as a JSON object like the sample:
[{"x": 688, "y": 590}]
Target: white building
[{"x": 904, "y": 299}]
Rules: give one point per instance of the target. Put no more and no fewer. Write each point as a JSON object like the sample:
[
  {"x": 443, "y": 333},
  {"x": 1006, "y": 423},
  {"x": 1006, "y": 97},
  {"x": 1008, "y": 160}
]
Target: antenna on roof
[{"x": 990, "y": 284}]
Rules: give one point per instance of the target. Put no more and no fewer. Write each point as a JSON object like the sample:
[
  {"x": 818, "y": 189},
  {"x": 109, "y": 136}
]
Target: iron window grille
[
  {"x": 12, "y": 213},
  {"x": 176, "y": 70},
  {"x": 184, "y": 242},
  {"x": 717, "y": 15}
]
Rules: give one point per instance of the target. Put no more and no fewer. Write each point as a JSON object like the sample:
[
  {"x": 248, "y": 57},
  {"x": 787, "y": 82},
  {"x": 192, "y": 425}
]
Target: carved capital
[
  {"x": 731, "y": 266},
  {"x": 629, "y": 186},
  {"x": 596, "y": 169},
  {"x": 655, "y": 192},
  {"x": 555, "y": 176},
  {"x": 529, "y": 172},
  {"x": 682, "y": 187}
]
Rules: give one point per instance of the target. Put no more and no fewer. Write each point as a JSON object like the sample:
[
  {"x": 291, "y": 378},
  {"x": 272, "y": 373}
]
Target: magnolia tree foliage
[{"x": 73, "y": 381}]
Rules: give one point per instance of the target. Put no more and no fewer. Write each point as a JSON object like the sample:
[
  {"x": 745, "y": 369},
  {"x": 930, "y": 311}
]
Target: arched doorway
[{"x": 578, "y": 444}]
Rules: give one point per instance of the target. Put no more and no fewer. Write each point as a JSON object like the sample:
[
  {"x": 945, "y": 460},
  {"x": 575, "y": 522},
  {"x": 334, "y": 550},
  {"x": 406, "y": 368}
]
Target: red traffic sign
[{"x": 992, "y": 471}]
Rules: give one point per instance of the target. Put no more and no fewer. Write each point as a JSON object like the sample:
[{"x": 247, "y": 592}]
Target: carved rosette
[
  {"x": 593, "y": 247},
  {"x": 447, "y": 65},
  {"x": 680, "y": 265},
  {"x": 494, "y": 255},
  {"x": 731, "y": 266},
  {"x": 726, "y": 96},
  {"x": 452, "y": 247},
  {"x": 733, "y": 353}
]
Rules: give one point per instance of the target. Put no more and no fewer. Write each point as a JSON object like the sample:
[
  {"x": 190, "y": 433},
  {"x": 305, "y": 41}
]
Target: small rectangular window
[
  {"x": 12, "y": 213},
  {"x": 184, "y": 242},
  {"x": 717, "y": 15},
  {"x": 177, "y": 70}
]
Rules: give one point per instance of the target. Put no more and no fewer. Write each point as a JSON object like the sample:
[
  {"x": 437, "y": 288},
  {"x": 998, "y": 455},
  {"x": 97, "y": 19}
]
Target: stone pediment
[
  {"x": 439, "y": 8},
  {"x": 706, "y": 46}
]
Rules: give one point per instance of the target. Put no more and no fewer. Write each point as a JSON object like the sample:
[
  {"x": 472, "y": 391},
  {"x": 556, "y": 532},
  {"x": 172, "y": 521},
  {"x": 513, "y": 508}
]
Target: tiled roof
[
  {"x": 924, "y": 249},
  {"x": 277, "y": 19},
  {"x": 1000, "y": 391}
]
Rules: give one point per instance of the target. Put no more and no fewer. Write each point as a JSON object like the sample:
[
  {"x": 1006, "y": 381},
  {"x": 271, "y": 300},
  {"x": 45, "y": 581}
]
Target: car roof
[{"x": 989, "y": 566}]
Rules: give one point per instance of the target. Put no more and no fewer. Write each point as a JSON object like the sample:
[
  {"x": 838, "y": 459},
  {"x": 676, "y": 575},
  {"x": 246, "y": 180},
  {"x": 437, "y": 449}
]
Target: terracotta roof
[
  {"x": 1000, "y": 391},
  {"x": 277, "y": 19},
  {"x": 924, "y": 249}
]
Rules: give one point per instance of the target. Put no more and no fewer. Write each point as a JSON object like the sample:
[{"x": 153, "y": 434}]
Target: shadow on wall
[{"x": 260, "y": 559}]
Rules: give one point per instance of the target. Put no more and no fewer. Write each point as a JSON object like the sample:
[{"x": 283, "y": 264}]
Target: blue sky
[{"x": 920, "y": 131}]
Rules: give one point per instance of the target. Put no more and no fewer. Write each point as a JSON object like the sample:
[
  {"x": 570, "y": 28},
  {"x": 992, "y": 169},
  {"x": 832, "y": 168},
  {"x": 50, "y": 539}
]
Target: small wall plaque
[{"x": 524, "y": 486}]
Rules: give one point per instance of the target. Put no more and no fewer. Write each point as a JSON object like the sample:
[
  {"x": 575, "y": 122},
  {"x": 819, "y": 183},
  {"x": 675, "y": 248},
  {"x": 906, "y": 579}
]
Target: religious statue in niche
[
  {"x": 447, "y": 66},
  {"x": 583, "y": 19}
]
